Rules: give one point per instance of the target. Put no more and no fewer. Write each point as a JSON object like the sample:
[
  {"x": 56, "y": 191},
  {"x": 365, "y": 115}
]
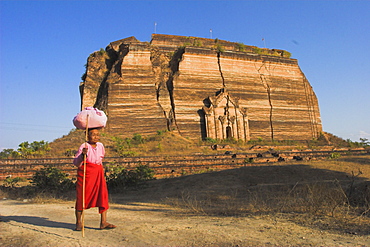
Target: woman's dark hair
[{"x": 89, "y": 129}]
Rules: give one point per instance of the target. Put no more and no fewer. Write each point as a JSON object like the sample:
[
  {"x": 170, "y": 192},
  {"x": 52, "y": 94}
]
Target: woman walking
[{"x": 96, "y": 192}]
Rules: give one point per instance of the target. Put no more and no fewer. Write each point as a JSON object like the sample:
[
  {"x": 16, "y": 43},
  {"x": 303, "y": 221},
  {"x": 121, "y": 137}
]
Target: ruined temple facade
[
  {"x": 224, "y": 119},
  {"x": 200, "y": 88}
]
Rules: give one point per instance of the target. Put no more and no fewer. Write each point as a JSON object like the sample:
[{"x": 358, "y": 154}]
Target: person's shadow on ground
[{"x": 39, "y": 221}]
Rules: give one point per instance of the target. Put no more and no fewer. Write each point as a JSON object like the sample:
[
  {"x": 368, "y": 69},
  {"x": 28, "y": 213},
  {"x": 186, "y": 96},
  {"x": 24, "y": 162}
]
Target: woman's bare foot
[
  {"x": 107, "y": 226},
  {"x": 78, "y": 227}
]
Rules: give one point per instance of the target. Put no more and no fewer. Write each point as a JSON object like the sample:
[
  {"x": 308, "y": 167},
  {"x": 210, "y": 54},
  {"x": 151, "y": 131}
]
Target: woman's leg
[
  {"x": 103, "y": 221},
  {"x": 78, "y": 220}
]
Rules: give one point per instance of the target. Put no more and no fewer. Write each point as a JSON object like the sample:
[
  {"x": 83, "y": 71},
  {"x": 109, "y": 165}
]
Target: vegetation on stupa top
[{"x": 222, "y": 46}]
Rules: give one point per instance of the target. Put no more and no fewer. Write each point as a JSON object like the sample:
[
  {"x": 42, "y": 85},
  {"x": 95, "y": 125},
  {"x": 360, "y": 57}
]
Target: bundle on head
[{"x": 91, "y": 118}]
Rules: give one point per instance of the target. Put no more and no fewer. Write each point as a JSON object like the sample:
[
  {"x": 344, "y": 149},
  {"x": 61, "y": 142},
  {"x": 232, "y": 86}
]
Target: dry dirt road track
[{"x": 25, "y": 224}]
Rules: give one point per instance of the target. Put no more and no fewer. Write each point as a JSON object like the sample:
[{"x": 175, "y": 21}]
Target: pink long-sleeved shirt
[{"x": 94, "y": 155}]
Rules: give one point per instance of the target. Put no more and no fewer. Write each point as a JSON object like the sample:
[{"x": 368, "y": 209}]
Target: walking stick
[{"x": 84, "y": 181}]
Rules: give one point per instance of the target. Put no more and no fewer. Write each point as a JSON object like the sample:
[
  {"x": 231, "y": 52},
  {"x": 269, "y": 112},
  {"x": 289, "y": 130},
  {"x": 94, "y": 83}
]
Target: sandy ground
[{"x": 140, "y": 224}]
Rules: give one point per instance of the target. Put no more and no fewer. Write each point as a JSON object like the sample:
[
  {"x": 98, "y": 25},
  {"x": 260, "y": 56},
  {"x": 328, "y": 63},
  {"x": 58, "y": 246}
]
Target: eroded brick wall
[
  {"x": 172, "y": 166},
  {"x": 145, "y": 87}
]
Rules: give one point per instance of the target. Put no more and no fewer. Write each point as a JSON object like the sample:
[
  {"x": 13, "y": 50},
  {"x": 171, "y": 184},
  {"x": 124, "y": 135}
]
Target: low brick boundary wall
[{"x": 172, "y": 166}]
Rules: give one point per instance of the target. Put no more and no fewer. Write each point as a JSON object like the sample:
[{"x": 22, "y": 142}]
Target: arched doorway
[{"x": 229, "y": 134}]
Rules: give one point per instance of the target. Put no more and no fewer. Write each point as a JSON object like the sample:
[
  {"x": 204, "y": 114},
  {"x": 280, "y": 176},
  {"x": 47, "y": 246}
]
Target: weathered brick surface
[
  {"x": 174, "y": 165},
  {"x": 169, "y": 84}
]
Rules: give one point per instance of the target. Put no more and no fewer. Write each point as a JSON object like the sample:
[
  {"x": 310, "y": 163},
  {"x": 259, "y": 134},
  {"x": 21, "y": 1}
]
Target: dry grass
[
  {"x": 330, "y": 195},
  {"x": 326, "y": 194},
  {"x": 166, "y": 143}
]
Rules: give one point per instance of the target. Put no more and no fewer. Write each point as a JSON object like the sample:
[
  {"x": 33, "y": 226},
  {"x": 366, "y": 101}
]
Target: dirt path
[{"x": 24, "y": 224}]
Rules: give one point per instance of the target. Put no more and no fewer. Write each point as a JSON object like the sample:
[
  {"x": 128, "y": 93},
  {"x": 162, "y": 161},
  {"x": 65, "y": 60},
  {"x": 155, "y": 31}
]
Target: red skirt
[{"x": 96, "y": 192}]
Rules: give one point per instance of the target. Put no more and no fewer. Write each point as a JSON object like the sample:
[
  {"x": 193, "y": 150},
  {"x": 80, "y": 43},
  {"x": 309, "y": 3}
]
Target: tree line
[{"x": 26, "y": 150}]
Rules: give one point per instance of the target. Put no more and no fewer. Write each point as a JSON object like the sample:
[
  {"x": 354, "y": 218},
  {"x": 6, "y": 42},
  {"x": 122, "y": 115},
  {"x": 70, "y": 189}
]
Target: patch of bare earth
[
  {"x": 295, "y": 204},
  {"x": 141, "y": 224}
]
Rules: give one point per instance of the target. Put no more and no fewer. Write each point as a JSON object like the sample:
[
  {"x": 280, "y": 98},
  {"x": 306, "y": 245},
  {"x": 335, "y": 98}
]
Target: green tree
[
  {"x": 9, "y": 154},
  {"x": 24, "y": 149},
  {"x": 35, "y": 148},
  {"x": 364, "y": 142}
]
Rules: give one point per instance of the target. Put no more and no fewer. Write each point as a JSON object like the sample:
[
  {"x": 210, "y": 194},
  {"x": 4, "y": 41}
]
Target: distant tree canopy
[
  {"x": 26, "y": 150},
  {"x": 9, "y": 153}
]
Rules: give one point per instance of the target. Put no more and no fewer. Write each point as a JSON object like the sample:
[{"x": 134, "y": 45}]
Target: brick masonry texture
[
  {"x": 175, "y": 166},
  {"x": 200, "y": 88}
]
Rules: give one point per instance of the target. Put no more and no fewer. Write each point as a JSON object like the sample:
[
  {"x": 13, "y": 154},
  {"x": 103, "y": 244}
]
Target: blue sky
[{"x": 44, "y": 46}]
